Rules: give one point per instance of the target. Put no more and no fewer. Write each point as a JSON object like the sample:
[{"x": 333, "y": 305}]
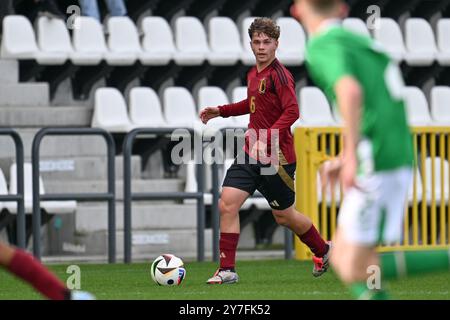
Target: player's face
[{"x": 263, "y": 47}]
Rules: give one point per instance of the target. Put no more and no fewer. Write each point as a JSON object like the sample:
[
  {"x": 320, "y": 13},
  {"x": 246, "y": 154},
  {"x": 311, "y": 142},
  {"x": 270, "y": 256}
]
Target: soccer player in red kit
[
  {"x": 273, "y": 108},
  {"x": 27, "y": 268}
]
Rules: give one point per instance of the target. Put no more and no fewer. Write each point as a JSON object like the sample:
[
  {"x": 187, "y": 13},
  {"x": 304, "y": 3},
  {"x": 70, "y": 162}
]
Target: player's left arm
[
  {"x": 285, "y": 89},
  {"x": 349, "y": 100},
  {"x": 289, "y": 104}
]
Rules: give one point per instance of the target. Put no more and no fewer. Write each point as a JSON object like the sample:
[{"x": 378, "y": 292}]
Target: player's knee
[
  {"x": 281, "y": 218},
  {"x": 227, "y": 208}
]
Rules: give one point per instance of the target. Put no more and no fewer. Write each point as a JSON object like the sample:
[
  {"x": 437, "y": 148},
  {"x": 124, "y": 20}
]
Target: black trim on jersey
[
  {"x": 280, "y": 72},
  {"x": 272, "y": 84}
]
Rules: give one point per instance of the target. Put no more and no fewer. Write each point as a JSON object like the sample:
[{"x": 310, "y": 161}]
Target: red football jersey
[{"x": 272, "y": 104}]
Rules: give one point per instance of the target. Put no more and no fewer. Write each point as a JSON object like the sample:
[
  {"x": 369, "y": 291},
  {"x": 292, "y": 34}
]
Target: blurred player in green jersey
[{"x": 375, "y": 167}]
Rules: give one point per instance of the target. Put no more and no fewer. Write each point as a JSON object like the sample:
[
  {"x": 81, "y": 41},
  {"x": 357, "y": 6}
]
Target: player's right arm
[{"x": 228, "y": 110}]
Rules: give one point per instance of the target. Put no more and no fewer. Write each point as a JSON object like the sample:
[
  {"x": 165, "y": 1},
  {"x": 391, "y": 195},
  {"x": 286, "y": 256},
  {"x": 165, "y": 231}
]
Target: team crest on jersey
[{"x": 262, "y": 86}]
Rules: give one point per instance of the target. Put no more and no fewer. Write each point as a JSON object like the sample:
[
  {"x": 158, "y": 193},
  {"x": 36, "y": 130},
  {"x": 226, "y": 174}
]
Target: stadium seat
[
  {"x": 416, "y": 107},
  {"x": 88, "y": 42},
  {"x": 52, "y": 207},
  {"x": 356, "y": 25},
  {"x": 247, "y": 57},
  {"x": 420, "y": 44},
  {"x": 145, "y": 108},
  {"x": 110, "y": 111},
  {"x": 443, "y": 41},
  {"x": 389, "y": 35},
  {"x": 440, "y": 107},
  {"x": 191, "y": 184},
  {"x": 123, "y": 42},
  {"x": 239, "y": 94},
  {"x": 419, "y": 188},
  {"x": 158, "y": 41},
  {"x": 439, "y": 192},
  {"x": 18, "y": 39},
  {"x": 315, "y": 109},
  {"x": 291, "y": 47},
  {"x": 224, "y": 41},
  {"x": 211, "y": 97},
  {"x": 191, "y": 43},
  {"x": 180, "y": 109},
  {"x": 53, "y": 40},
  {"x": 191, "y": 180}
]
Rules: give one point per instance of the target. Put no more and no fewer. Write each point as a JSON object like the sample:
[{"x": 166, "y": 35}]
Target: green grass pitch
[{"x": 259, "y": 280}]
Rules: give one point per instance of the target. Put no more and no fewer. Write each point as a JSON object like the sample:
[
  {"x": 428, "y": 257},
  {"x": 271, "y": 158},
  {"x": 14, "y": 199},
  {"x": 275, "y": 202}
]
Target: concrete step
[
  {"x": 67, "y": 171},
  {"x": 51, "y": 146},
  {"x": 151, "y": 243},
  {"x": 149, "y": 185},
  {"x": 33, "y": 116},
  {"x": 9, "y": 72},
  {"x": 92, "y": 217},
  {"x": 25, "y": 94}
]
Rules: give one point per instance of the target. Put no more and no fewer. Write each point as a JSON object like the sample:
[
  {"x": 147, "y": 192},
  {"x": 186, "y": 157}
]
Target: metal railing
[
  {"x": 19, "y": 197},
  {"x": 129, "y": 196},
  {"x": 108, "y": 196}
]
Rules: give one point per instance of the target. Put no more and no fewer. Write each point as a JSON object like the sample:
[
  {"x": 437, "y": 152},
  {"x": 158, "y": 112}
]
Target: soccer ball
[{"x": 168, "y": 270}]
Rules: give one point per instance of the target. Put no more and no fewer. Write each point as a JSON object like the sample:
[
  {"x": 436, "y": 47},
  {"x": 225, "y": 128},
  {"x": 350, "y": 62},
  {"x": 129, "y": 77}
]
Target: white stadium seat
[
  {"x": 224, "y": 41},
  {"x": 389, "y": 35},
  {"x": 443, "y": 41},
  {"x": 420, "y": 44},
  {"x": 18, "y": 39},
  {"x": 88, "y": 42},
  {"x": 247, "y": 57},
  {"x": 419, "y": 187},
  {"x": 314, "y": 108},
  {"x": 440, "y": 105},
  {"x": 53, "y": 40},
  {"x": 439, "y": 193},
  {"x": 52, "y": 207},
  {"x": 110, "y": 111},
  {"x": 180, "y": 109},
  {"x": 291, "y": 47},
  {"x": 191, "y": 43},
  {"x": 158, "y": 41},
  {"x": 416, "y": 107},
  {"x": 239, "y": 94},
  {"x": 356, "y": 25},
  {"x": 212, "y": 97},
  {"x": 145, "y": 108},
  {"x": 123, "y": 42}
]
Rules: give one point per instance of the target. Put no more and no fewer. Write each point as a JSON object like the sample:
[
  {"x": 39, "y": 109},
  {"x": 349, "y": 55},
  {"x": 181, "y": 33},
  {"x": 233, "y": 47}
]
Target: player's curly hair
[{"x": 266, "y": 26}]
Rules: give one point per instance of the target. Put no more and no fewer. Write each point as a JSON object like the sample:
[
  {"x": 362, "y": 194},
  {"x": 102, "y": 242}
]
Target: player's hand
[
  {"x": 259, "y": 152},
  {"x": 209, "y": 113},
  {"x": 329, "y": 173}
]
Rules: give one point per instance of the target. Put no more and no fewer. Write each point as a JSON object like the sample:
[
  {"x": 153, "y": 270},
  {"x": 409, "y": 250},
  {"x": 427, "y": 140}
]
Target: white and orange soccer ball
[{"x": 168, "y": 270}]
